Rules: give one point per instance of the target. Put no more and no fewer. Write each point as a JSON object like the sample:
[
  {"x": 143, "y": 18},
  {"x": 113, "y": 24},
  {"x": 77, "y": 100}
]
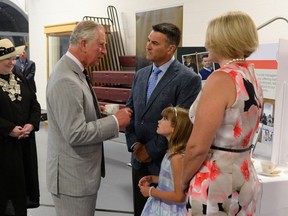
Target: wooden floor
[{"x": 115, "y": 194}]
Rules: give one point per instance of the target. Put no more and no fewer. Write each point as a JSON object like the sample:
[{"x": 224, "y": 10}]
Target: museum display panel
[{"x": 57, "y": 42}]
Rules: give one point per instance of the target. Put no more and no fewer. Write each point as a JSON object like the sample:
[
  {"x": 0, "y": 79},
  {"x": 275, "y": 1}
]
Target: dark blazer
[
  {"x": 178, "y": 86},
  {"x": 28, "y": 71}
]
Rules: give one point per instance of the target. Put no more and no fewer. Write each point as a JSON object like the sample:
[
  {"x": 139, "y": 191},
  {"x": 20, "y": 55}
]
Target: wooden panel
[
  {"x": 127, "y": 61},
  {"x": 112, "y": 94},
  {"x": 64, "y": 28},
  {"x": 114, "y": 86},
  {"x": 112, "y": 77}
]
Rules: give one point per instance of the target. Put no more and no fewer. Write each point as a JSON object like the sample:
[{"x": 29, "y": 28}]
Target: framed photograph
[
  {"x": 192, "y": 58},
  {"x": 264, "y": 142},
  {"x": 191, "y": 61},
  {"x": 267, "y": 117},
  {"x": 200, "y": 57}
]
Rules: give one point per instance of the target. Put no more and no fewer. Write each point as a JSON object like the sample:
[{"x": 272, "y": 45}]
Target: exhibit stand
[
  {"x": 265, "y": 64},
  {"x": 280, "y": 142},
  {"x": 272, "y": 144}
]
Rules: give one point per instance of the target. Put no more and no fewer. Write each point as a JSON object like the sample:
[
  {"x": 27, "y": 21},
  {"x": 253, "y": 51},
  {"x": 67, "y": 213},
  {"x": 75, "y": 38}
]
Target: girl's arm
[{"x": 177, "y": 194}]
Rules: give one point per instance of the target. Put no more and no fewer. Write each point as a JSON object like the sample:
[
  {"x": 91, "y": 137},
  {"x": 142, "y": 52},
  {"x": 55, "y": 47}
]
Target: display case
[{"x": 57, "y": 42}]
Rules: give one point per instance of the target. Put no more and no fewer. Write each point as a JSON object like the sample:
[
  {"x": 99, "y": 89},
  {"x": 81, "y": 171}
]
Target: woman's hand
[
  {"x": 16, "y": 132},
  {"x": 21, "y": 132},
  {"x": 28, "y": 127},
  {"x": 26, "y": 131}
]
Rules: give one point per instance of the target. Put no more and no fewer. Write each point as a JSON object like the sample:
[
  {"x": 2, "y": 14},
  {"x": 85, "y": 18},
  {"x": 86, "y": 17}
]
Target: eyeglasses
[{"x": 4, "y": 51}]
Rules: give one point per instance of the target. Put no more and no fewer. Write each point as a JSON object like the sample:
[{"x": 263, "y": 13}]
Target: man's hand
[
  {"x": 140, "y": 153},
  {"x": 123, "y": 116}
]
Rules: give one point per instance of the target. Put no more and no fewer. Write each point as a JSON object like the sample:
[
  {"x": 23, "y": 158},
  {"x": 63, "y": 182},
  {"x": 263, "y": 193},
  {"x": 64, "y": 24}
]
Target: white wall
[{"x": 196, "y": 16}]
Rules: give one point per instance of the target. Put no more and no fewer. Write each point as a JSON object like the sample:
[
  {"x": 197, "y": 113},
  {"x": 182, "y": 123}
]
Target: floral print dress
[{"x": 227, "y": 182}]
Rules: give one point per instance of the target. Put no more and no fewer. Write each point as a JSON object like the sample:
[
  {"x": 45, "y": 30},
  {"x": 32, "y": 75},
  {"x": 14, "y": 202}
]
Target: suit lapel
[
  {"x": 142, "y": 83},
  {"x": 77, "y": 70},
  {"x": 167, "y": 78},
  {"x": 82, "y": 77}
]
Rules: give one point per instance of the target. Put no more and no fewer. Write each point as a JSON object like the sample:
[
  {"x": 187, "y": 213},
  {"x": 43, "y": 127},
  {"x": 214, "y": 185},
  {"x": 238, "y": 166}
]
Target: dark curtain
[{"x": 144, "y": 22}]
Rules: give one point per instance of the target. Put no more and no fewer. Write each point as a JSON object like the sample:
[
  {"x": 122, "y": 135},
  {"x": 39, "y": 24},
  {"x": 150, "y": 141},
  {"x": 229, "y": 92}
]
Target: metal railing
[
  {"x": 115, "y": 47},
  {"x": 270, "y": 21}
]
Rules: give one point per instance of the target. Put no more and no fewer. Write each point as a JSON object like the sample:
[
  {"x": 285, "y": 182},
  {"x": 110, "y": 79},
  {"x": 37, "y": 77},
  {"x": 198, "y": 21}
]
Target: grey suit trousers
[{"x": 74, "y": 206}]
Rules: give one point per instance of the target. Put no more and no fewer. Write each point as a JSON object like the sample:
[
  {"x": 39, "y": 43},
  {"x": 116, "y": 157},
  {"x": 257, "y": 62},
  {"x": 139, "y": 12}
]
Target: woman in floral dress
[{"x": 218, "y": 176}]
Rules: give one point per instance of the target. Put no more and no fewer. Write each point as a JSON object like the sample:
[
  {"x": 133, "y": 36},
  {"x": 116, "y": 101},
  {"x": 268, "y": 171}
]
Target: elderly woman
[
  {"x": 218, "y": 171},
  {"x": 19, "y": 119}
]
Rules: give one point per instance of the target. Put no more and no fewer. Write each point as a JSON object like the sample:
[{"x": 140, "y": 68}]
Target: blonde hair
[
  {"x": 182, "y": 128},
  {"x": 232, "y": 35}
]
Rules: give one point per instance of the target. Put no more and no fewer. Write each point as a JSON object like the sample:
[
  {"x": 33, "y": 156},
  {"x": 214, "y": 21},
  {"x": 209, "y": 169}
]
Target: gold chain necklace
[
  {"x": 234, "y": 60},
  {"x": 12, "y": 87}
]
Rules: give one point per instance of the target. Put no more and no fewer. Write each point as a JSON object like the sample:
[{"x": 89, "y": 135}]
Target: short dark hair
[
  {"x": 204, "y": 56},
  {"x": 171, "y": 31}
]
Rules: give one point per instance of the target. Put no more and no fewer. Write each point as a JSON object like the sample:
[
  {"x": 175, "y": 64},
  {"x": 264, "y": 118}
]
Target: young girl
[{"x": 168, "y": 198}]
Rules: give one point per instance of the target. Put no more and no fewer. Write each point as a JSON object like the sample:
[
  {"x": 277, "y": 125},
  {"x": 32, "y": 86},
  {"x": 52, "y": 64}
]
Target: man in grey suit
[
  {"x": 176, "y": 86},
  {"x": 75, "y": 130}
]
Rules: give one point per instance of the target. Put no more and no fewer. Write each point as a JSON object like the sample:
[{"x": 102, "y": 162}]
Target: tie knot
[
  {"x": 85, "y": 72},
  {"x": 157, "y": 70}
]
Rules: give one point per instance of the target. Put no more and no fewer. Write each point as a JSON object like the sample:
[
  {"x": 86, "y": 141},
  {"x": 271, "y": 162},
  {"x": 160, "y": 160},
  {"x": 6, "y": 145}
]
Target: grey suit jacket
[
  {"x": 179, "y": 86},
  {"x": 75, "y": 135}
]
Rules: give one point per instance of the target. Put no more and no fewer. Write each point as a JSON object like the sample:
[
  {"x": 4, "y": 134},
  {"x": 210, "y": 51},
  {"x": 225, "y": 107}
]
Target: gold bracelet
[{"x": 150, "y": 190}]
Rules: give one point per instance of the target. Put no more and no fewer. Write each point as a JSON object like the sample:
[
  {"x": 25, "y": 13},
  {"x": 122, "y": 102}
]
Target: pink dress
[{"x": 227, "y": 182}]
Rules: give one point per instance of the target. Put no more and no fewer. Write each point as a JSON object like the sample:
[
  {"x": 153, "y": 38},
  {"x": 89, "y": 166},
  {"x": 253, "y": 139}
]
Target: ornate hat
[{"x": 8, "y": 50}]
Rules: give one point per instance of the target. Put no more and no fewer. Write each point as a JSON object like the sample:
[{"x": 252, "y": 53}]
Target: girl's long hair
[{"x": 182, "y": 125}]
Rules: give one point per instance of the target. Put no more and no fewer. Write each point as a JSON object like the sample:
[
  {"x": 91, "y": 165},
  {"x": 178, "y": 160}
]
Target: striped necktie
[{"x": 152, "y": 82}]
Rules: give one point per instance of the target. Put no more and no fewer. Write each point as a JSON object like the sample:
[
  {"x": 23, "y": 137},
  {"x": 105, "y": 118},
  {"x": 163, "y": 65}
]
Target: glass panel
[{"x": 58, "y": 46}]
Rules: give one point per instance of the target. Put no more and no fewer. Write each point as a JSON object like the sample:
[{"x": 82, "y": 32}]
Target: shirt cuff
[
  {"x": 132, "y": 147},
  {"x": 116, "y": 122}
]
